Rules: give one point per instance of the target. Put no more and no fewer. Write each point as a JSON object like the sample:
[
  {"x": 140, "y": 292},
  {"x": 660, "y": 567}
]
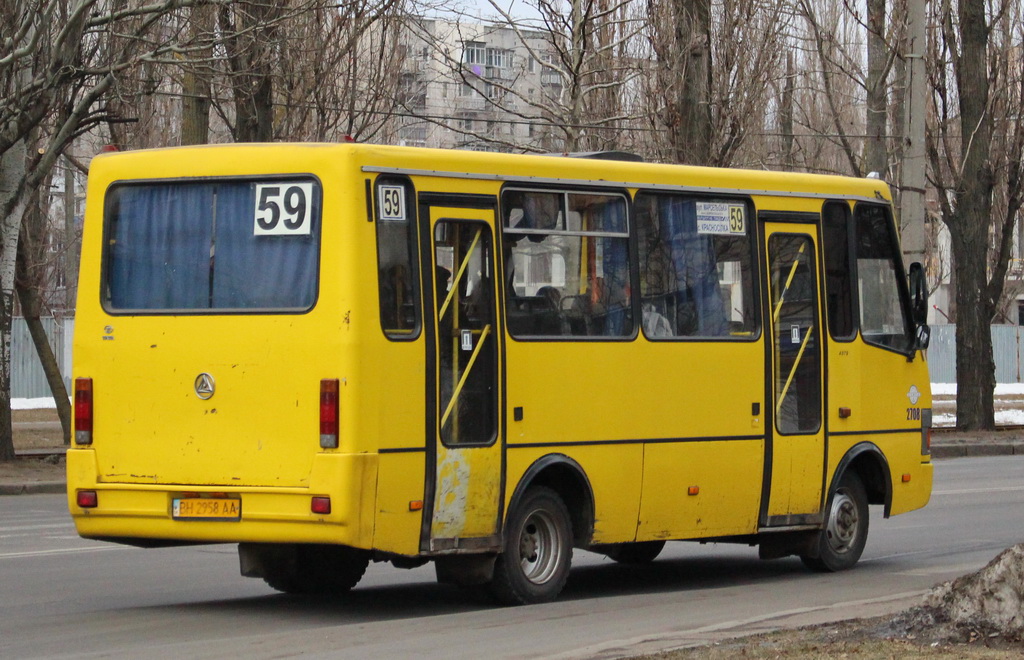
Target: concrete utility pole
[{"x": 912, "y": 198}]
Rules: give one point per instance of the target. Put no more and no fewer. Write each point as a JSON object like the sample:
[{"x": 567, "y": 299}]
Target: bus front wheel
[
  {"x": 537, "y": 550},
  {"x": 841, "y": 541}
]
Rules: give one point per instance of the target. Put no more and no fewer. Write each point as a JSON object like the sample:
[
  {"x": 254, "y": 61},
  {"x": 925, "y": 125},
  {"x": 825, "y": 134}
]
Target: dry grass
[
  {"x": 881, "y": 638},
  {"x": 35, "y": 429}
]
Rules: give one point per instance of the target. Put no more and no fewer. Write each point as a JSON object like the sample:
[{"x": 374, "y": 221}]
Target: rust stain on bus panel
[{"x": 450, "y": 502}]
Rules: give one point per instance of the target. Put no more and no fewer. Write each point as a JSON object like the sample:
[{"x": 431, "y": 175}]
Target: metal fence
[
  {"x": 28, "y": 381},
  {"x": 1006, "y": 350},
  {"x": 27, "y": 378}
]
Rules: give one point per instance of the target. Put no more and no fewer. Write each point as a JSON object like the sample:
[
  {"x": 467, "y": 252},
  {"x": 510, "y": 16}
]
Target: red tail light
[
  {"x": 329, "y": 413},
  {"x": 83, "y": 411},
  {"x": 87, "y": 499},
  {"x": 320, "y": 505}
]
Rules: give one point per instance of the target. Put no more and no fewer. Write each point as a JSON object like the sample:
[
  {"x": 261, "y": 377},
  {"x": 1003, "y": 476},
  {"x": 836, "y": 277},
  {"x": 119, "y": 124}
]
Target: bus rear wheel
[
  {"x": 316, "y": 569},
  {"x": 841, "y": 541},
  {"x": 537, "y": 550}
]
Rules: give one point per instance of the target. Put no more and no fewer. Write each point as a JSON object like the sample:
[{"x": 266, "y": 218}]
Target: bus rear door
[{"x": 465, "y": 456}]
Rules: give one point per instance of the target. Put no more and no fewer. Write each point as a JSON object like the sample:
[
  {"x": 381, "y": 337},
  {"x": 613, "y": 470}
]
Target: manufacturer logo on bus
[{"x": 204, "y": 386}]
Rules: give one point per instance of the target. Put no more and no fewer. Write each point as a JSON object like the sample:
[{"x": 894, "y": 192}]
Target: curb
[
  {"x": 969, "y": 450},
  {"x": 34, "y": 488}
]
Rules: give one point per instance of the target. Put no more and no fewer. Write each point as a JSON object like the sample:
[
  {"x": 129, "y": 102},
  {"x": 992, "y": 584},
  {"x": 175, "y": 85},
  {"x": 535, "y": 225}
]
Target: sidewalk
[{"x": 43, "y": 477}]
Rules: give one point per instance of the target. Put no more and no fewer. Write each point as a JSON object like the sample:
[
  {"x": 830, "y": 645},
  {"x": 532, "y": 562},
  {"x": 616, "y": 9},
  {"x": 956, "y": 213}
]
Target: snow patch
[
  {"x": 1002, "y": 389},
  {"x": 33, "y": 404},
  {"x": 991, "y": 599}
]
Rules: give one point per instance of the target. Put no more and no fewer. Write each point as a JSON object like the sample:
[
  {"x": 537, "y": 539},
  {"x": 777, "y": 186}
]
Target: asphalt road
[{"x": 64, "y": 596}]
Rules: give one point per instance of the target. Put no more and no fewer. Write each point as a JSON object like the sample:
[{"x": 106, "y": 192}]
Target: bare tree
[
  {"x": 251, "y": 37},
  {"x": 340, "y": 71},
  {"x": 32, "y": 271},
  {"x": 681, "y": 40},
  {"x": 196, "y": 91},
  {"x": 834, "y": 40},
  {"x": 974, "y": 145},
  {"x": 880, "y": 60},
  {"x": 712, "y": 79},
  {"x": 55, "y": 67}
]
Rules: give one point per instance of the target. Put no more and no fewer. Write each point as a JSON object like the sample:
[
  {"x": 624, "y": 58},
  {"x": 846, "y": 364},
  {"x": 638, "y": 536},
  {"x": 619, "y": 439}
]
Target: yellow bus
[{"x": 337, "y": 354}]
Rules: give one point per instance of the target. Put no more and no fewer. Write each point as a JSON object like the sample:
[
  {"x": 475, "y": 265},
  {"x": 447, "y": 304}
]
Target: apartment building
[{"x": 480, "y": 86}]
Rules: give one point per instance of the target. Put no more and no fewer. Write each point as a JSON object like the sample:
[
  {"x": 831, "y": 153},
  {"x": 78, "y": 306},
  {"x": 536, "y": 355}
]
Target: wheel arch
[
  {"x": 868, "y": 462},
  {"x": 566, "y": 477}
]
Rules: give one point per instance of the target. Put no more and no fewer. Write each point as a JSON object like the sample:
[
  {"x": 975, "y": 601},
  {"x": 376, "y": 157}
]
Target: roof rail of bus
[{"x": 603, "y": 155}]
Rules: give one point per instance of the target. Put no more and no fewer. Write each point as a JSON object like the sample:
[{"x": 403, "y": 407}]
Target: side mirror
[
  {"x": 918, "y": 294},
  {"x": 919, "y": 305},
  {"x": 923, "y": 337}
]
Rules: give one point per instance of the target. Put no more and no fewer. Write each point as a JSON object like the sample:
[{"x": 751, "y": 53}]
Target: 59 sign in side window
[{"x": 283, "y": 209}]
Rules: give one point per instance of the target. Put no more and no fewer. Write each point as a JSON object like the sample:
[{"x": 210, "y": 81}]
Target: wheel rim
[
  {"x": 539, "y": 547},
  {"x": 843, "y": 523}
]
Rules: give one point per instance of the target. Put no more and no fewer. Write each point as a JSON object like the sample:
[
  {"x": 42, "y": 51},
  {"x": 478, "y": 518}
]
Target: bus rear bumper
[{"x": 142, "y": 514}]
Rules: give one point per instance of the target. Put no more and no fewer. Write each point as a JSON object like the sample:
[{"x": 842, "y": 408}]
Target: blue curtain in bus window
[
  {"x": 259, "y": 272},
  {"x": 616, "y": 270},
  {"x": 699, "y": 309},
  {"x": 159, "y": 254}
]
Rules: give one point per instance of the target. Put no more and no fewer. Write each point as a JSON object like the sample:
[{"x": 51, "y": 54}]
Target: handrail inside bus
[
  {"x": 465, "y": 374},
  {"x": 792, "y": 370},
  {"x": 458, "y": 276},
  {"x": 789, "y": 281}
]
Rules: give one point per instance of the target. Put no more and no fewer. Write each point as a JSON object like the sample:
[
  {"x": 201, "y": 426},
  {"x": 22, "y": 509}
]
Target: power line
[{"x": 539, "y": 121}]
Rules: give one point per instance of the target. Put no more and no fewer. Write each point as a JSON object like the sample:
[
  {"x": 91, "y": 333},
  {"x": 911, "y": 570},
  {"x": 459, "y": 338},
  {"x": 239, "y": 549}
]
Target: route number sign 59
[{"x": 282, "y": 209}]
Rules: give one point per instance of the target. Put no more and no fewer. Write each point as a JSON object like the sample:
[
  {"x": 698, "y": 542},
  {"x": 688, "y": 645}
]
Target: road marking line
[
  {"x": 57, "y": 551},
  {"x": 22, "y": 528},
  {"x": 967, "y": 491}
]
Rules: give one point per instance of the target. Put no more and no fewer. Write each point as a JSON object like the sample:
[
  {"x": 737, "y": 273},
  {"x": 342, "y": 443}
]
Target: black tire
[
  {"x": 316, "y": 569},
  {"x": 841, "y": 541},
  {"x": 537, "y": 550},
  {"x": 643, "y": 552}
]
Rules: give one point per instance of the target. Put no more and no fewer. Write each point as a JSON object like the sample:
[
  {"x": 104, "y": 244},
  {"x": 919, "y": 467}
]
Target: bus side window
[
  {"x": 839, "y": 300},
  {"x": 397, "y": 259},
  {"x": 568, "y": 255},
  {"x": 696, "y": 278},
  {"x": 881, "y": 287}
]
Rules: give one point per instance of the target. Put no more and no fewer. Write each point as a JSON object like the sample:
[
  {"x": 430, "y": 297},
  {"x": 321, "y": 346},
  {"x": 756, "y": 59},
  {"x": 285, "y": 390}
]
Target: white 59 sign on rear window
[{"x": 282, "y": 209}]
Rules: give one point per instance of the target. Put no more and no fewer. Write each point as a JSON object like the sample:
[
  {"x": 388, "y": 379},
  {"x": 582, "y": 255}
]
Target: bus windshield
[{"x": 212, "y": 246}]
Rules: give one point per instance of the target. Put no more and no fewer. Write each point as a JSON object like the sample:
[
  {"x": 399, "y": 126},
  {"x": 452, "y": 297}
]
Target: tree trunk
[
  {"x": 969, "y": 228},
  {"x": 975, "y": 366},
  {"x": 875, "y": 157},
  {"x": 31, "y": 254},
  {"x": 195, "y": 86},
  {"x": 681, "y": 39},
  {"x": 51, "y": 369},
  {"x": 12, "y": 206},
  {"x": 251, "y": 43},
  {"x": 693, "y": 36},
  {"x": 195, "y": 109},
  {"x": 786, "y": 113}
]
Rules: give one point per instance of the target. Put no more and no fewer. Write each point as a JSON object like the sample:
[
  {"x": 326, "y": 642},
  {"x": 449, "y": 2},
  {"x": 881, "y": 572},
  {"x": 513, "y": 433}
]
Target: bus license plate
[{"x": 195, "y": 508}]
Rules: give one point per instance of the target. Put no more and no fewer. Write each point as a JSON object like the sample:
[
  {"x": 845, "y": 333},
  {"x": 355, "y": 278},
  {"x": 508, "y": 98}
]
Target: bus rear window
[{"x": 212, "y": 246}]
